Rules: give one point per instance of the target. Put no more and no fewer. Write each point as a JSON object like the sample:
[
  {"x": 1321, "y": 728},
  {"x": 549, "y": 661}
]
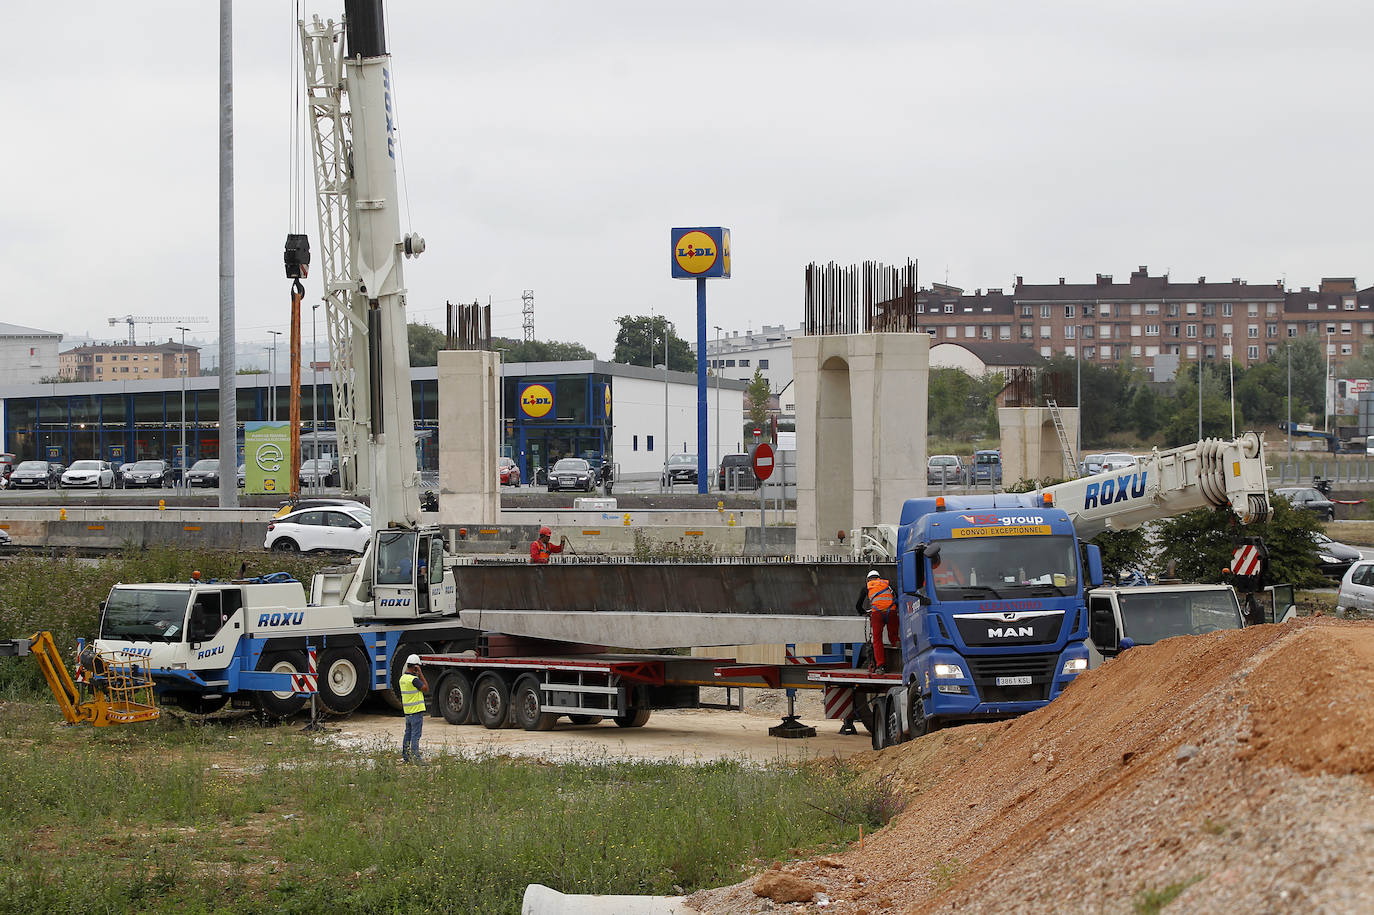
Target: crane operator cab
[{"x": 407, "y": 571}]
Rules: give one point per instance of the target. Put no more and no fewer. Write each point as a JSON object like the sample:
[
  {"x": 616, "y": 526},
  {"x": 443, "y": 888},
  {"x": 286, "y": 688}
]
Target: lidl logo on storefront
[{"x": 536, "y": 401}]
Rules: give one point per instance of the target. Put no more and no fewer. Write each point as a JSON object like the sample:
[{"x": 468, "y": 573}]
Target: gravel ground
[{"x": 1229, "y": 772}]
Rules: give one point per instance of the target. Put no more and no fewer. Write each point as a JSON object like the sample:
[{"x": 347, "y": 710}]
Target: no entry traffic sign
[{"x": 763, "y": 461}]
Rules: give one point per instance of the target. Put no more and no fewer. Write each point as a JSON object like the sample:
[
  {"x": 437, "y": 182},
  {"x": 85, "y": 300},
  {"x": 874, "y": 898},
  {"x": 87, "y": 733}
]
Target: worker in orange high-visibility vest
[
  {"x": 877, "y": 599},
  {"x": 542, "y": 547}
]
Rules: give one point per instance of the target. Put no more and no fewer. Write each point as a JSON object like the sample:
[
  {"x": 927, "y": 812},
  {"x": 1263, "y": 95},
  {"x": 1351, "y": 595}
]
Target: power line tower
[{"x": 527, "y": 297}]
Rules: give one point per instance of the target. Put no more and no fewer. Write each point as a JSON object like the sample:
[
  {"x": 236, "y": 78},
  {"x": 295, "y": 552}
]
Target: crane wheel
[
  {"x": 345, "y": 679},
  {"x": 197, "y": 704},
  {"x": 281, "y": 704}
]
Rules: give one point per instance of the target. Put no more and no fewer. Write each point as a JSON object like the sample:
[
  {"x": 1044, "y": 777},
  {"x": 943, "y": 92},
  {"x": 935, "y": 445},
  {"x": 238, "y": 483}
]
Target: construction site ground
[{"x": 1225, "y": 772}]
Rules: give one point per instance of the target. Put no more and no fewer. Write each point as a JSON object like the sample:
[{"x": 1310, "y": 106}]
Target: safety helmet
[
  {"x": 874, "y": 574},
  {"x": 413, "y": 661},
  {"x": 545, "y": 532}
]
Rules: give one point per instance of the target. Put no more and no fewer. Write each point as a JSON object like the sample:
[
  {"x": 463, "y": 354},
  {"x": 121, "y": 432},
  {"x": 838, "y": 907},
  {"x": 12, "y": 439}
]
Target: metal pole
[
  {"x": 701, "y": 385},
  {"x": 228, "y": 359},
  {"x": 763, "y": 519},
  {"x": 272, "y": 377},
  {"x": 667, "y": 483},
  {"x": 1231, "y": 366},
  {"x": 315, "y": 394},
  {"x": 1326, "y": 388},
  {"x": 1199, "y": 395},
  {"x": 1078, "y": 389},
  {"x": 1288, "y": 348},
  {"x": 183, "y": 402}
]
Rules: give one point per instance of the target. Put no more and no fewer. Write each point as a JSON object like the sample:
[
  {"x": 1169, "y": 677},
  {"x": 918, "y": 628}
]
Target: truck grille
[{"x": 1039, "y": 667}]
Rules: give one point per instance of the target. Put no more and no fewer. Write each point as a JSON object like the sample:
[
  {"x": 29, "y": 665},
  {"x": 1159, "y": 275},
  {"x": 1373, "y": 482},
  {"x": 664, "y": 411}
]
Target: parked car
[
  {"x": 944, "y": 468},
  {"x": 1309, "y": 499},
  {"x": 1333, "y": 556},
  {"x": 681, "y": 468},
  {"x": 339, "y": 527},
  {"x": 1091, "y": 464},
  {"x": 1357, "y": 588},
  {"x": 204, "y": 473},
  {"x": 5, "y": 539},
  {"x": 987, "y": 467},
  {"x": 736, "y": 472},
  {"x": 7, "y": 462},
  {"x": 319, "y": 472},
  {"x": 572, "y": 473},
  {"x": 35, "y": 475},
  {"x": 508, "y": 471},
  {"x": 1113, "y": 461},
  {"x": 297, "y": 505},
  {"x": 96, "y": 474},
  {"x": 148, "y": 474}
]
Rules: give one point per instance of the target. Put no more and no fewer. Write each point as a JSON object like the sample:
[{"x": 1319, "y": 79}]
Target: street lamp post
[
  {"x": 1078, "y": 392},
  {"x": 1326, "y": 387},
  {"x": 718, "y": 361},
  {"x": 668, "y": 484},
  {"x": 1288, "y": 348},
  {"x": 272, "y": 377},
  {"x": 183, "y": 401},
  {"x": 315, "y": 397},
  {"x": 1231, "y": 366}
]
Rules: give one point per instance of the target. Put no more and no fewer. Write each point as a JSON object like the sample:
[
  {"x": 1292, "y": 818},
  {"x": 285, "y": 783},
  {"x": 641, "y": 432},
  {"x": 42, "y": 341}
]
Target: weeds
[
  {"x": 225, "y": 816},
  {"x": 1149, "y": 902},
  {"x": 650, "y": 549}
]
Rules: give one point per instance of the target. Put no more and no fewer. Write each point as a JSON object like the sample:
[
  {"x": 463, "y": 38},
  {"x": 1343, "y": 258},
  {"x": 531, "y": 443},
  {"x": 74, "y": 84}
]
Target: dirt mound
[{"x": 1227, "y": 772}]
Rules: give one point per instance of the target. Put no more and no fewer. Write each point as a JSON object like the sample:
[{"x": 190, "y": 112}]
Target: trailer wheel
[
  {"x": 878, "y": 731},
  {"x": 491, "y": 701},
  {"x": 454, "y": 696},
  {"x": 634, "y": 718},
  {"x": 345, "y": 679},
  {"x": 863, "y": 710},
  {"x": 281, "y": 704},
  {"x": 585, "y": 719},
  {"x": 528, "y": 698}
]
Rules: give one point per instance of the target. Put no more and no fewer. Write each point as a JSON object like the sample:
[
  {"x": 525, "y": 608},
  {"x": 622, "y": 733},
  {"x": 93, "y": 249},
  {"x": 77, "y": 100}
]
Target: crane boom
[
  {"x": 1212, "y": 472},
  {"x": 131, "y": 320}
]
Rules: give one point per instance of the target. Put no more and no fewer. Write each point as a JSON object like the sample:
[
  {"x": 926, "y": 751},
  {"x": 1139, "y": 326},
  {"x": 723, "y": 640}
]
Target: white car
[
  {"x": 1118, "y": 460},
  {"x": 326, "y": 527},
  {"x": 96, "y": 474},
  {"x": 1357, "y": 589}
]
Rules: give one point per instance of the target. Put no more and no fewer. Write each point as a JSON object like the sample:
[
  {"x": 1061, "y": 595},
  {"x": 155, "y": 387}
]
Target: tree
[
  {"x": 961, "y": 406},
  {"x": 1181, "y": 425},
  {"x": 57, "y": 379},
  {"x": 425, "y": 343},
  {"x": 756, "y": 399},
  {"x": 1145, "y": 410},
  {"x": 1200, "y": 544},
  {"x": 251, "y": 371},
  {"x": 1123, "y": 551},
  {"x": 541, "y": 350},
  {"x": 640, "y": 341}
]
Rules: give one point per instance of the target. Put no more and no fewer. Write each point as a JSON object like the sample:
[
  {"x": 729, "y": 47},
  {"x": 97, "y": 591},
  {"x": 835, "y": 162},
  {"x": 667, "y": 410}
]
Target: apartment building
[{"x": 124, "y": 361}]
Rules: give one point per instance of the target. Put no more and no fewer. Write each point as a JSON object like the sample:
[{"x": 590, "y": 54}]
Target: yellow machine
[{"x": 124, "y": 697}]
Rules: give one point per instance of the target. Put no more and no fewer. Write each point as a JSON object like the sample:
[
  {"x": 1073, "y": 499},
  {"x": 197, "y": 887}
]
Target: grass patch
[
  {"x": 63, "y": 595},
  {"x": 1149, "y": 902},
  {"x": 945, "y": 874},
  {"x": 181, "y": 816}
]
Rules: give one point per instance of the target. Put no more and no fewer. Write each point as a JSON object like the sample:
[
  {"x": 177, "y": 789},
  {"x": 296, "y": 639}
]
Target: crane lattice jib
[{"x": 344, "y": 318}]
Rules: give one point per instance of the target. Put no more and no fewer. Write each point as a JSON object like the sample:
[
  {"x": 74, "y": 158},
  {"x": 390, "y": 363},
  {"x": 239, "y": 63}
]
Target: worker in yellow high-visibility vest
[{"x": 413, "y": 689}]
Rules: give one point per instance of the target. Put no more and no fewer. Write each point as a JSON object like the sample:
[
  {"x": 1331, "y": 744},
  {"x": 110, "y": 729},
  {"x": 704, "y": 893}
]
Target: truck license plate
[{"x": 1014, "y": 681}]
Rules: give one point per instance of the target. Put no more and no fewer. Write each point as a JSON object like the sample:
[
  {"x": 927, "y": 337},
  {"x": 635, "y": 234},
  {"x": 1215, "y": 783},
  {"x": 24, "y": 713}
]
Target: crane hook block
[
  {"x": 297, "y": 257},
  {"x": 414, "y": 245}
]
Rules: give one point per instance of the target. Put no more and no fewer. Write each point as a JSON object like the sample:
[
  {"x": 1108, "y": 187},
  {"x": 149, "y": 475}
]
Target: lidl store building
[{"x": 549, "y": 410}]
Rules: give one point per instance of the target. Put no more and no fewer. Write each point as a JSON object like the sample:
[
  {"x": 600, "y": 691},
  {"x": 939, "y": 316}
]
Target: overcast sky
[{"x": 552, "y": 145}]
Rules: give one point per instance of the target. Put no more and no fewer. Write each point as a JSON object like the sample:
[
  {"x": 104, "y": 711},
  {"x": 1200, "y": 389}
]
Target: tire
[
  {"x": 635, "y": 718},
  {"x": 491, "y": 701},
  {"x": 878, "y": 732},
  {"x": 392, "y": 695},
  {"x": 197, "y": 704},
  {"x": 863, "y": 711},
  {"x": 454, "y": 697},
  {"x": 526, "y": 700},
  {"x": 281, "y": 705},
  {"x": 919, "y": 724},
  {"x": 285, "y": 545},
  {"x": 893, "y": 723},
  {"x": 584, "y": 720},
  {"x": 345, "y": 679}
]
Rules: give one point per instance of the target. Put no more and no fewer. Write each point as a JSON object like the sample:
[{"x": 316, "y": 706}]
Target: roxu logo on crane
[{"x": 1120, "y": 489}]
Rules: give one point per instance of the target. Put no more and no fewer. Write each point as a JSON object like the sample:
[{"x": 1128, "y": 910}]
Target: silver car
[{"x": 945, "y": 468}]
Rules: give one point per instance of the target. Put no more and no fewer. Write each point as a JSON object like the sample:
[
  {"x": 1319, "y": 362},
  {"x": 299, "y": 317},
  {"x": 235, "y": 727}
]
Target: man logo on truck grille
[{"x": 1011, "y": 632}]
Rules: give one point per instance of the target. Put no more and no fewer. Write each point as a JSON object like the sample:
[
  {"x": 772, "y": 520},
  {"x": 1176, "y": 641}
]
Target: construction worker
[
  {"x": 541, "y": 548},
  {"x": 877, "y": 599},
  {"x": 413, "y": 689}
]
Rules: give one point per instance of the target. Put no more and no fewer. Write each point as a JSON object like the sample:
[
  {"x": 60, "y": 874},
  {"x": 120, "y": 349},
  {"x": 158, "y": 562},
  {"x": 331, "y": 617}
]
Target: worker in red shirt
[
  {"x": 877, "y": 598},
  {"x": 541, "y": 548}
]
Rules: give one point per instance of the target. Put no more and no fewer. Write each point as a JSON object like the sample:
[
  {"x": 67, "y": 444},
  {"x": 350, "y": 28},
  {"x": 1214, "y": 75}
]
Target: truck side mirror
[{"x": 1093, "y": 555}]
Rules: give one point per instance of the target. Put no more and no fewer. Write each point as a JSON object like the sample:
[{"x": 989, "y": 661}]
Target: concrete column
[
  {"x": 468, "y": 485},
  {"x": 1030, "y": 445},
  {"x": 861, "y": 432}
]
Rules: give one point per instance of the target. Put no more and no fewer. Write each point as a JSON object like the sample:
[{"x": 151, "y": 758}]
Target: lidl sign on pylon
[
  {"x": 536, "y": 401},
  {"x": 701, "y": 253}
]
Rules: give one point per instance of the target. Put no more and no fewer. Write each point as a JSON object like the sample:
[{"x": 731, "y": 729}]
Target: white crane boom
[{"x": 1212, "y": 472}]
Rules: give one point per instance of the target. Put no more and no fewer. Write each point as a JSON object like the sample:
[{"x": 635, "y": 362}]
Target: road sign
[{"x": 763, "y": 461}]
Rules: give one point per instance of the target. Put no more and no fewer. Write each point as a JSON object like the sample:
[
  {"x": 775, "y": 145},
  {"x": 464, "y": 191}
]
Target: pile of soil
[{"x": 1228, "y": 772}]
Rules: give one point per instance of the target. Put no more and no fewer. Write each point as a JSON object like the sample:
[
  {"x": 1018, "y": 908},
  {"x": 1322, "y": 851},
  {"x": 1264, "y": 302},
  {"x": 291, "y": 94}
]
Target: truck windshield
[
  {"x": 974, "y": 568},
  {"x": 139, "y": 615},
  {"x": 1148, "y": 618}
]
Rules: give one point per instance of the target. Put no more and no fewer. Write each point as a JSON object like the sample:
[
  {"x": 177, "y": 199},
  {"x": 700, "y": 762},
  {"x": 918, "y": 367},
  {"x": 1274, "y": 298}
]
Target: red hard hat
[{"x": 545, "y": 532}]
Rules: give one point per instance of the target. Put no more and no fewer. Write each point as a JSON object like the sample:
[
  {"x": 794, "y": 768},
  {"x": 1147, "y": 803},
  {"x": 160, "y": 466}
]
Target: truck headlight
[
  {"x": 949, "y": 672},
  {"x": 1075, "y": 666}
]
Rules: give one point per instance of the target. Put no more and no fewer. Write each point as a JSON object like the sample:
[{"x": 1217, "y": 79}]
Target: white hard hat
[
  {"x": 874, "y": 574},
  {"x": 413, "y": 659}
]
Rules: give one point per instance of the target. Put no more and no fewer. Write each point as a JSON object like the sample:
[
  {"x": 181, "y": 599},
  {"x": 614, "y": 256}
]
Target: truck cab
[{"x": 991, "y": 598}]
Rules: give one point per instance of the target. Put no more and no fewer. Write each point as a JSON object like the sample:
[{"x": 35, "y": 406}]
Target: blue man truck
[{"x": 990, "y": 588}]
